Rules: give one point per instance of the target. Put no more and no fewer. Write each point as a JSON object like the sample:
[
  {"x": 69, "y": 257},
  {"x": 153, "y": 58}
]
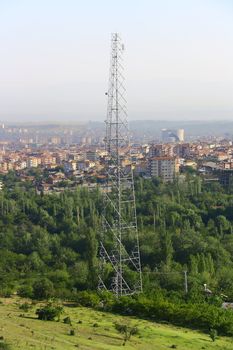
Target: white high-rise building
[
  {"x": 170, "y": 136},
  {"x": 180, "y": 134}
]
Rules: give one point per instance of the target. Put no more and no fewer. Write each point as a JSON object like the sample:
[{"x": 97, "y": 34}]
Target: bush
[
  {"x": 63, "y": 293},
  {"x": 213, "y": 334},
  {"x": 25, "y": 307},
  {"x": 6, "y": 293},
  {"x": 4, "y": 346},
  {"x": 127, "y": 330},
  {"x": 25, "y": 291},
  {"x": 49, "y": 312},
  {"x": 89, "y": 299},
  {"x": 67, "y": 320},
  {"x": 203, "y": 316}
]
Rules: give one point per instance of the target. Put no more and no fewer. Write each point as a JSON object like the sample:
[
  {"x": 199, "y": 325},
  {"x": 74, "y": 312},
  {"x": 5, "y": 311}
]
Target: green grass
[{"x": 27, "y": 332}]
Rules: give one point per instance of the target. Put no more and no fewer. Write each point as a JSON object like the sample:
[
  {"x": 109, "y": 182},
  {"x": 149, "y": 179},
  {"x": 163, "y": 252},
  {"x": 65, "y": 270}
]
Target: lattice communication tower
[{"x": 119, "y": 220}]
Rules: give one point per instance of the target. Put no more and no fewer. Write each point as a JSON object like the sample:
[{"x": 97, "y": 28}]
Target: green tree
[{"x": 43, "y": 289}]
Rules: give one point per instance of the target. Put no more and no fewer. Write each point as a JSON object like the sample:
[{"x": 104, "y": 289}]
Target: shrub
[
  {"x": 89, "y": 299},
  {"x": 67, "y": 320},
  {"x": 213, "y": 334},
  {"x": 25, "y": 291},
  {"x": 49, "y": 312},
  {"x": 4, "y": 345},
  {"x": 72, "y": 332},
  {"x": 25, "y": 307},
  {"x": 200, "y": 315},
  {"x": 6, "y": 293},
  {"x": 127, "y": 330}
]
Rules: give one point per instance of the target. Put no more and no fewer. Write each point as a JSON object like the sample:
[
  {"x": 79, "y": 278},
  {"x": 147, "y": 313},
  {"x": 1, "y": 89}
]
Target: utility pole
[{"x": 119, "y": 220}]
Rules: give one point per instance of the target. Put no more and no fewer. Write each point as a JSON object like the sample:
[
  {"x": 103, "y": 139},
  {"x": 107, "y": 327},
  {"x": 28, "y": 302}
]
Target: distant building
[
  {"x": 161, "y": 150},
  {"x": 55, "y": 140},
  {"x": 140, "y": 168},
  {"x": 32, "y": 162},
  {"x": 169, "y": 136},
  {"x": 156, "y": 151},
  {"x": 70, "y": 166},
  {"x": 190, "y": 163},
  {"x": 22, "y": 164},
  {"x": 180, "y": 134},
  {"x": 89, "y": 140},
  {"x": 182, "y": 150},
  {"x": 164, "y": 167},
  {"x": 91, "y": 155}
]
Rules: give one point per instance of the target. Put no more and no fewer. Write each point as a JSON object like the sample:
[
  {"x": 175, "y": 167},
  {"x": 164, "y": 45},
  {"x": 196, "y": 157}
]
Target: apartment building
[{"x": 164, "y": 167}]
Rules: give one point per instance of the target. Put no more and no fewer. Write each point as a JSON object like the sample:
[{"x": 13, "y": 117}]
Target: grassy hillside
[{"x": 94, "y": 330}]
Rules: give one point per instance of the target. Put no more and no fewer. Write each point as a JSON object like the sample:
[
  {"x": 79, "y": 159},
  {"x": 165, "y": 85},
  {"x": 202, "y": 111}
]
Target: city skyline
[{"x": 55, "y": 58}]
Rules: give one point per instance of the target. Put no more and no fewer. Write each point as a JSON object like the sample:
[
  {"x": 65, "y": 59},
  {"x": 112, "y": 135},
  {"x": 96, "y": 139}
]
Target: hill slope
[{"x": 96, "y": 331}]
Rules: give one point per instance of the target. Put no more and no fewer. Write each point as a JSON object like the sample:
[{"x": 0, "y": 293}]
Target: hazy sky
[{"x": 54, "y": 58}]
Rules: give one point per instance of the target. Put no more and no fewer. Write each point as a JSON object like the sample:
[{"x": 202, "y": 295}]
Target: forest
[{"x": 49, "y": 243}]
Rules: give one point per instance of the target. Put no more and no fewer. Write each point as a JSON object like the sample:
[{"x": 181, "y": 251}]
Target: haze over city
[{"x": 55, "y": 59}]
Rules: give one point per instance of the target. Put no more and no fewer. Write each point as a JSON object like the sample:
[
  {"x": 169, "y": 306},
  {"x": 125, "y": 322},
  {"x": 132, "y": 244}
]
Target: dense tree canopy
[{"x": 49, "y": 243}]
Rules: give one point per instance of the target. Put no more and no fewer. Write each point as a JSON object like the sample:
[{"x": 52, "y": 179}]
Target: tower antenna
[{"x": 119, "y": 220}]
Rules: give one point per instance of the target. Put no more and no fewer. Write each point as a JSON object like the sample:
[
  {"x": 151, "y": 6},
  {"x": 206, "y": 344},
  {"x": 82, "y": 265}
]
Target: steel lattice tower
[{"x": 119, "y": 221}]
